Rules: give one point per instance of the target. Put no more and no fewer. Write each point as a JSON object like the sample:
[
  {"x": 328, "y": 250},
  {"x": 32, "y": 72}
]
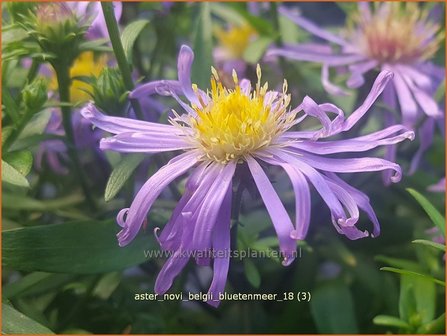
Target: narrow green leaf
[
  {"x": 252, "y": 273},
  {"x": 228, "y": 14},
  {"x": 12, "y": 176},
  {"x": 256, "y": 49},
  {"x": 332, "y": 309},
  {"x": 18, "y": 202},
  {"x": 203, "y": 47},
  {"x": 121, "y": 174},
  {"x": 391, "y": 321},
  {"x": 10, "y": 106},
  {"x": 438, "y": 246},
  {"x": 431, "y": 211},
  {"x": 14, "y": 322},
  {"x": 399, "y": 263},
  {"x": 130, "y": 35},
  {"x": 405, "y": 272},
  {"x": 81, "y": 247}
]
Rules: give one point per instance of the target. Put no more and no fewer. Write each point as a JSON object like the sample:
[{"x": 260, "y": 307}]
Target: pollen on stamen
[{"x": 234, "y": 123}]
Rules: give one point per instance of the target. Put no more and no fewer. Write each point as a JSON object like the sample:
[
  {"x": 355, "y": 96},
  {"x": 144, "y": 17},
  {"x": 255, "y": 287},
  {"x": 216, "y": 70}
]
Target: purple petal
[
  {"x": 172, "y": 267},
  {"x": 210, "y": 207},
  {"x": 406, "y": 101},
  {"x": 354, "y": 165},
  {"x": 118, "y": 125},
  {"x": 184, "y": 63},
  {"x": 358, "y": 70},
  {"x": 143, "y": 143},
  {"x": 161, "y": 87},
  {"x": 295, "y": 53},
  {"x": 318, "y": 182},
  {"x": 362, "y": 201},
  {"x": 360, "y": 144},
  {"x": 426, "y": 133},
  {"x": 221, "y": 247},
  {"x": 149, "y": 193},
  {"x": 425, "y": 101},
  {"x": 172, "y": 229},
  {"x": 438, "y": 187},
  {"x": 302, "y": 198},
  {"x": 379, "y": 84},
  {"x": 312, "y": 28},
  {"x": 328, "y": 86},
  {"x": 278, "y": 214}
]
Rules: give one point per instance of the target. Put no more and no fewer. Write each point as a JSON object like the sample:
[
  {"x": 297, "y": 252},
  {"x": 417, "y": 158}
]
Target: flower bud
[
  {"x": 109, "y": 92},
  {"x": 35, "y": 95},
  {"x": 57, "y": 29}
]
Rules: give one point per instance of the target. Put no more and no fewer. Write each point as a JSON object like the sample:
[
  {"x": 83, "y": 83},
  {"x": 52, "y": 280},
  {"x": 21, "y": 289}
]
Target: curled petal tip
[
  {"x": 411, "y": 135},
  {"x": 120, "y": 218},
  {"x": 396, "y": 177},
  {"x": 288, "y": 259}
]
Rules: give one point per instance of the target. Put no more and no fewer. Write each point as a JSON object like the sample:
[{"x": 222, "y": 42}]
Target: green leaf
[
  {"x": 130, "y": 35},
  {"x": 417, "y": 302},
  {"x": 34, "y": 284},
  {"x": 399, "y": 263},
  {"x": 256, "y": 49},
  {"x": 228, "y": 14},
  {"x": 405, "y": 272},
  {"x": 391, "y": 321},
  {"x": 438, "y": 246},
  {"x": 203, "y": 47},
  {"x": 10, "y": 106},
  {"x": 12, "y": 176},
  {"x": 18, "y": 202},
  {"x": 14, "y": 322},
  {"x": 80, "y": 247},
  {"x": 252, "y": 273},
  {"x": 332, "y": 309},
  {"x": 121, "y": 174},
  {"x": 22, "y": 161},
  {"x": 431, "y": 211}
]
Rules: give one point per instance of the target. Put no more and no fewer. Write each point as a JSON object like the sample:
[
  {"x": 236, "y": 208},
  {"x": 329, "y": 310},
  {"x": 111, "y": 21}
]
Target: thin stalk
[
  {"x": 278, "y": 39},
  {"x": 63, "y": 80},
  {"x": 115, "y": 39}
]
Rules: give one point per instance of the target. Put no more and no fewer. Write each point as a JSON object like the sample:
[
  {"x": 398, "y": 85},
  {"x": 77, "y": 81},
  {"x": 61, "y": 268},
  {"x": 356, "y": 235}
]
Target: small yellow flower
[
  {"x": 86, "y": 65},
  {"x": 235, "y": 40}
]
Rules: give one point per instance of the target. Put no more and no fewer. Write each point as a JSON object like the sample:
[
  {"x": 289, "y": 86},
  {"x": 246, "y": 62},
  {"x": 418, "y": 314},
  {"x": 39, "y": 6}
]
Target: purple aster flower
[
  {"x": 92, "y": 11},
  {"x": 395, "y": 37},
  {"x": 225, "y": 129}
]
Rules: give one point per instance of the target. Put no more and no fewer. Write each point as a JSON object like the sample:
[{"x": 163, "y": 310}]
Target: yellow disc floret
[{"x": 235, "y": 122}]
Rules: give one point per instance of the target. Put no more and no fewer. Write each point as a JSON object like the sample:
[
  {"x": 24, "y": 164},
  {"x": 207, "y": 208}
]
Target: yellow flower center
[
  {"x": 236, "y": 39},
  {"x": 235, "y": 122},
  {"x": 402, "y": 34},
  {"x": 84, "y": 66}
]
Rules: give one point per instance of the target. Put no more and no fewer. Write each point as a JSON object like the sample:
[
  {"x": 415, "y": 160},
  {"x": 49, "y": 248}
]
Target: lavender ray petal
[
  {"x": 221, "y": 247},
  {"x": 278, "y": 214},
  {"x": 149, "y": 193}
]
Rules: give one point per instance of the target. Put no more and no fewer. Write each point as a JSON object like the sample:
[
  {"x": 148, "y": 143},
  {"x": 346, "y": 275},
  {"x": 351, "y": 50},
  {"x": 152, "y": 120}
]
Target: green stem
[
  {"x": 278, "y": 39},
  {"x": 112, "y": 28},
  {"x": 63, "y": 80}
]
